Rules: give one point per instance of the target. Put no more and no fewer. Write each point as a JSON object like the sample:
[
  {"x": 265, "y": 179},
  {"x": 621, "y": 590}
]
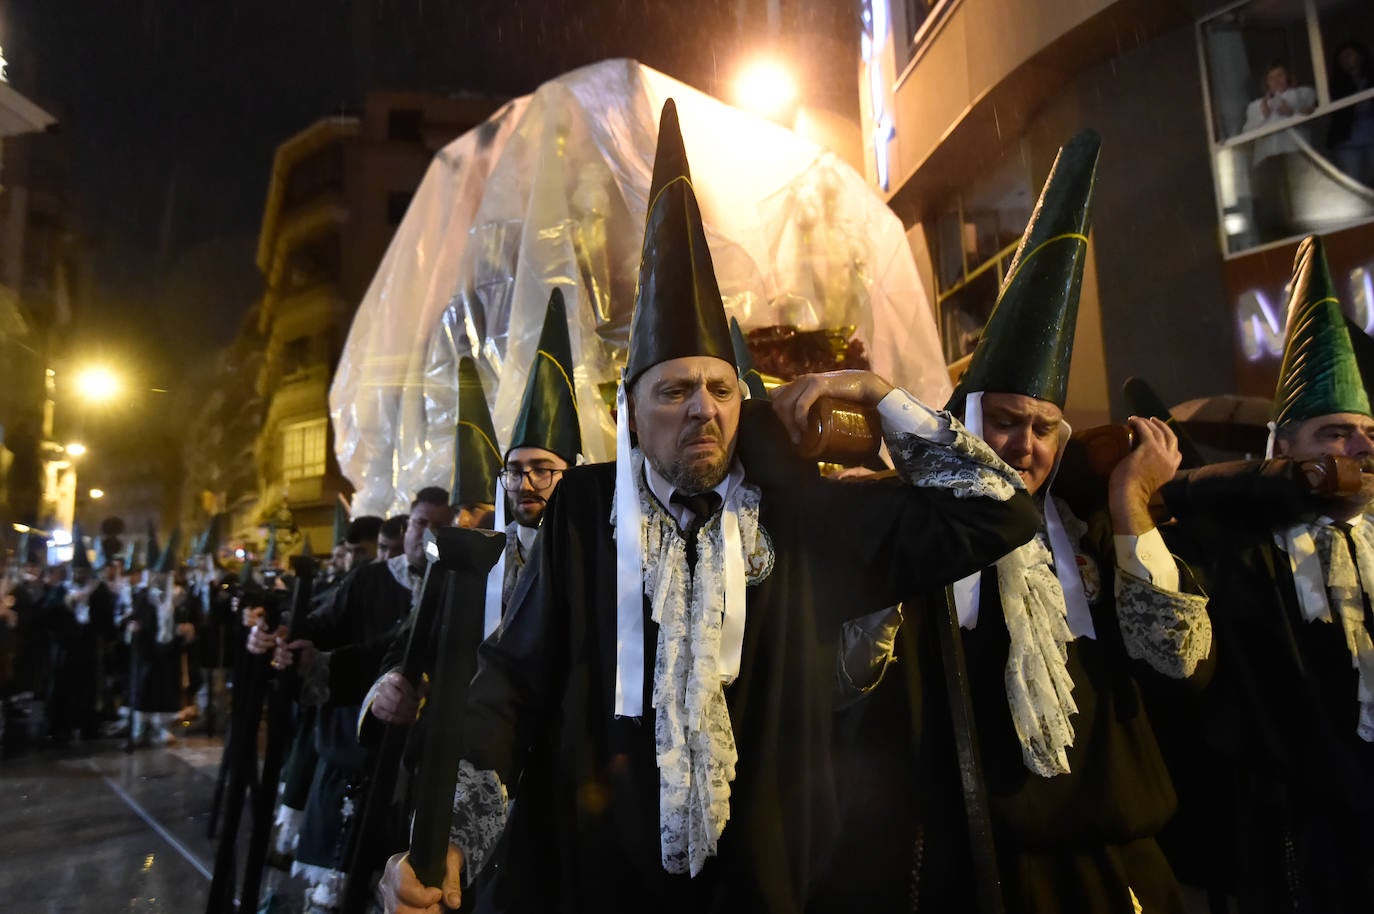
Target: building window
[
  {"x": 397, "y": 202},
  {"x": 973, "y": 239},
  {"x": 404, "y": 125},
  {"x": 1289, "y": 90},
  {"x": 303, "y": 449},
  {"x": 911, "y": 20}
]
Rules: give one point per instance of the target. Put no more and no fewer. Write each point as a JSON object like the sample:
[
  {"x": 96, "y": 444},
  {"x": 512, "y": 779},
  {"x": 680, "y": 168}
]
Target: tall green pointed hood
[
  {"x": 678, "y": 308},
  {"x": 209, "y": 539},
  {"x": 107, "y": 549},
  {"x": 548, "y": 413},
  {"x": 168, "y": 560},
  {"x": 744, "y": 362},
  {"x": 1027, "y": 344},
  {"x": 340, "y": 521},
  {"x": 272, "y": 553},
  {"x": 151, "y": 549},
  {"x": 1318, "y": 375},
  {"x": 80, "y": 557},
  {"x": 476, "y": 458}
]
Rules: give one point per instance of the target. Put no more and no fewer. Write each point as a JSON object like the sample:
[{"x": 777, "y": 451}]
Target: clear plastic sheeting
[{"x": 552, "y": 192}]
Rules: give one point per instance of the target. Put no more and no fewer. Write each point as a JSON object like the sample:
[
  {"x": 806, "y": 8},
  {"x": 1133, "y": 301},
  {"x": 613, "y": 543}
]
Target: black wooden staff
[
  {"x": 280, "y": 705},
  {"x": 987, "y": 882},
  {"x": 239, "y": 762},
  {"x": 251, "y": 682},
  {"x": 243, "y": 666},
  {"x": 467, "y": 557},
  {"x": 381, "y": 785}
]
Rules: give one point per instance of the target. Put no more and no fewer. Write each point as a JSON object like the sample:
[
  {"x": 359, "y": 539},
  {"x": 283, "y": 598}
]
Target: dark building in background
[
  {"x": 39, "y": 276},
  {"x": 1198, "y": 209},
  {"x": 338, "y": 190},
  {"x": 217, "y": 447}
]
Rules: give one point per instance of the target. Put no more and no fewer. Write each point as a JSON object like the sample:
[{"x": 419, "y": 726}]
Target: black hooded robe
[
  {"x": 1276, "y": 789},
  {"x": 584, "y": 828}
]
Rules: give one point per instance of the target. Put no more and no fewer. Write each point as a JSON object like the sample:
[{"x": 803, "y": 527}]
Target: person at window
[
  {"x": 1351, "y": 135},
  {"x": 1281, "y": 102}
]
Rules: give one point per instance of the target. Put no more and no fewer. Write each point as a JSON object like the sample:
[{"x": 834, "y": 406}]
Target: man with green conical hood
[
  {"x": 1279, "y": 812},
  {"x": 164, "y": 623},
  {"x": 545, "y": 441},
  {"x": 668, "y": 653},
  {"x": 1076, "y": 787}
]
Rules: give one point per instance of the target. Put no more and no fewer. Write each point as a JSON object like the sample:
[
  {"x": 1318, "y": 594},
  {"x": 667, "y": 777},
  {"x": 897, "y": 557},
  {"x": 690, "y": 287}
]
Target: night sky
[{"x": 172, "y": 110}]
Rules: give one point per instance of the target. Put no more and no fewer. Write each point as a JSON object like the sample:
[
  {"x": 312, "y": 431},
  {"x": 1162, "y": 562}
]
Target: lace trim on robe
[
  {"x": 1039, "y": 689},
  {"x": 1170, "y": 631},
  {"x": 694, "y": 740},
  {"x": 479, "y": 816},
  {"x": 1347, "y": 602},
  {"x": 966, "y": 466}
]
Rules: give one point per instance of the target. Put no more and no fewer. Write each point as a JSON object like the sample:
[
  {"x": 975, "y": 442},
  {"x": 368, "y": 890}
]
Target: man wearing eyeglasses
[{"x": 545, "y": 441}]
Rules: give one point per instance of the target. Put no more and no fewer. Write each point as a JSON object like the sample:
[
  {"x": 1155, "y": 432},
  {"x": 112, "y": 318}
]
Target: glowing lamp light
[
  {"x": 767, "y": 89},
  {"x": 61, "y": 537},
  {"x": 76, "y": 449},
  {"x": 97, "y": 384},
  {"x": 97, "y": 493}
]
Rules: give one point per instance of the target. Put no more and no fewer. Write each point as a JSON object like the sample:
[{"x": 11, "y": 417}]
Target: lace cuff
[
  {"x": 963, "y": 463},
  {"x": 479, "y": 816},
  {"x": 1170, "y": 631},
  {"x": 315, "y": 681}
]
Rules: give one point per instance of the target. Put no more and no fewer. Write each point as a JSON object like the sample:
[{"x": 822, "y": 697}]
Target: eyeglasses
[{"x": 540, "y": 477}]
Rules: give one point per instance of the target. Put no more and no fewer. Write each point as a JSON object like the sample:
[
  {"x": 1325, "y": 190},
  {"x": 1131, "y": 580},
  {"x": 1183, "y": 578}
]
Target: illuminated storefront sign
[{"x": 1260, "y": 317}]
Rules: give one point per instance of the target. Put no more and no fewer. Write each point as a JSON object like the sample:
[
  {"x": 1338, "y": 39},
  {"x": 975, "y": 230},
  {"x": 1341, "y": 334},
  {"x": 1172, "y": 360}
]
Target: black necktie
[{"x": 702, "y": 506}]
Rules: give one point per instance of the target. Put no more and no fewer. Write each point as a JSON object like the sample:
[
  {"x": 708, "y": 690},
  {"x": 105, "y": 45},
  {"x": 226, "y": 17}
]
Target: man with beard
[
  {"x": 545, "y": 441},
  {"x": 688, "y": 579},
  {"x": 391, "y": 537},
  {"x": 361, "y": 541},
  {"x": 1277, "y": 805}
]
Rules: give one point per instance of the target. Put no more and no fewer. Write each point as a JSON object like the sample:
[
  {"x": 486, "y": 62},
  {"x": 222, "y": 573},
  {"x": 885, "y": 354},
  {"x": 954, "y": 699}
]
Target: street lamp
[
  {"x": 97, "y": 384},
  {"x": 97, "y": 493},
  {"x": 76, "y": 449},
  {"x": 767, "y": 89}
]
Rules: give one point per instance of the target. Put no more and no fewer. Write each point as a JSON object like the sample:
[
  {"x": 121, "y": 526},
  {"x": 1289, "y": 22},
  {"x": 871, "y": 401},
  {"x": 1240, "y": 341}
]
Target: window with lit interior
[
  {"x": 1289, "y": 92},
  {"x": 303, "y": 449}
]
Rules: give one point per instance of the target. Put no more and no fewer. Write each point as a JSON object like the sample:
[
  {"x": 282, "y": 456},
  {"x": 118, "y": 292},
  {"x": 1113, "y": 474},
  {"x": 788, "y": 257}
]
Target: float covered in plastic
[{"x": 551, "y": 191}]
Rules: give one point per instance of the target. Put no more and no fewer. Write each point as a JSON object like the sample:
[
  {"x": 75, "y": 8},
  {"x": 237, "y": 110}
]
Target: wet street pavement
[{"x": 91, "y": 830}]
